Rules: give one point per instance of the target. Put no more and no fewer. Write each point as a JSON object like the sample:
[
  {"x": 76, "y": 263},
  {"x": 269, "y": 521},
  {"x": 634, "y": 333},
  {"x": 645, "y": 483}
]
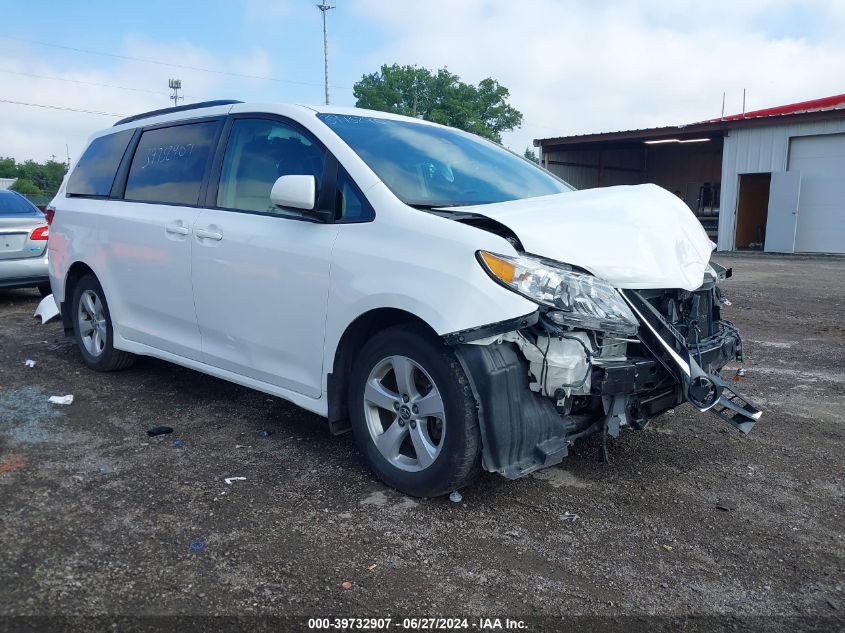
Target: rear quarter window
[
  {"x": 11, "y": 204},
  {"x": 170, "y": 162},
  {"x": 94, "y": 173}
]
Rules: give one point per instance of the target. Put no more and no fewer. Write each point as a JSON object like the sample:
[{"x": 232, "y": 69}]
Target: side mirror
[{"x": 297, "y": 192}]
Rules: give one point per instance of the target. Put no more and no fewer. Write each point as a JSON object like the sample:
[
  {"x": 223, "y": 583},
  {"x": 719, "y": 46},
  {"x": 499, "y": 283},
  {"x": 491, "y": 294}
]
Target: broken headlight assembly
[{"x": 575, "y": 299}]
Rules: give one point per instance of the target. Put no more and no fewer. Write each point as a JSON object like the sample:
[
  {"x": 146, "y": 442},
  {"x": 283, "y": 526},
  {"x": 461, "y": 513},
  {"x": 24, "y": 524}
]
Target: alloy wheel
[
  {"x": 404, "y": 413},
  {"x": 92, "y": 323}
]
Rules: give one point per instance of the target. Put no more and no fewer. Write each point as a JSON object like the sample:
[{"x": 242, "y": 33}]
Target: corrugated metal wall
[
  {"x": 670, "y": 166},
  {"x": 619, "y": 167},
  {"x": 758, "y": 150}
]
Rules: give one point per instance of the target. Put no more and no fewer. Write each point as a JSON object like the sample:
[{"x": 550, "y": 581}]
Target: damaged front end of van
[{"x": 600, "y": 354}]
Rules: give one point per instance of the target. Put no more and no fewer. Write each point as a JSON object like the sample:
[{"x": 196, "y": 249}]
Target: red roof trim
[{"x": 825, "y": 103}]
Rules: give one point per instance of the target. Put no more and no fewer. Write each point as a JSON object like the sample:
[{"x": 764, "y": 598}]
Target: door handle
[
  {"x": 177, "y": 229},
  {"x": 209, "y": 235}
]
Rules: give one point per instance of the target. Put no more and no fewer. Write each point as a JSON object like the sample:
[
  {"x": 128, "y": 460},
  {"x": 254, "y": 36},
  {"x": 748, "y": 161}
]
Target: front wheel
[
  {"x": 92, "y": 327},
  {"x": 413, "y": 413}
]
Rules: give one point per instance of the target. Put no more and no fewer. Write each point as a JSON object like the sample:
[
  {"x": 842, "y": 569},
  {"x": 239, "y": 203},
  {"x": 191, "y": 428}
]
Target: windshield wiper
[{"x": 425, "y": 206}]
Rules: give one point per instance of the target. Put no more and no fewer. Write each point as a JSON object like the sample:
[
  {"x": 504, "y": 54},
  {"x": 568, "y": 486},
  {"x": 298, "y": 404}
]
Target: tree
[
  {"x": 8, "y": 168},
  {"x": 45, "y": 177},
  {"x": 25, "y": 187},
  {"x": 530, "y": 154},
  {"x": 440, "y": 97}
]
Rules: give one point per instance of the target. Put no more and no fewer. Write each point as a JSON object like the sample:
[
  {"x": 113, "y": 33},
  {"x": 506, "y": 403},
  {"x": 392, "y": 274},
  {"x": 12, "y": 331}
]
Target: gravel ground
[{"x": 689, "y": 519}]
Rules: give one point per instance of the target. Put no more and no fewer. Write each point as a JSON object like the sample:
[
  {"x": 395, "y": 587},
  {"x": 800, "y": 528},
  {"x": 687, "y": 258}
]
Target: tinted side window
[
  {"x": 258, "y": 152},
  {"x": 350, "y": 203},
  {"x": 170, "y": 162},
  {"x": 95, "y": 171},
  {"x": 12, "y": 203}
]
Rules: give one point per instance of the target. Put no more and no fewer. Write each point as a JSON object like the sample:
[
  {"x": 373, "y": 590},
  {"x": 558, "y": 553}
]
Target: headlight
[{"x": 577, "y": 299}]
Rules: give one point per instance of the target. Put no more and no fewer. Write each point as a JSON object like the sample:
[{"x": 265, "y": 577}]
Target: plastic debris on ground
[
  {"x": 29, "y": 362},
  {"x": 346, "y": 585},
  {"x": 456, "y": 497},
  {"x": 567, "y": 516},
  {"x": 197, "y": 545},
  {"x": 68, "y": 399},
  {"x": 159, "y": 430},
  {"x": 229, "y": 480},
  {"x": 177, "y": 443},
  {"x": 265, "y": 433},
  {"x": 47, "y": 309}
]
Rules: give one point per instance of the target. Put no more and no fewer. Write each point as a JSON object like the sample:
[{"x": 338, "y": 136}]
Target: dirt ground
[{"x": 689, "y": 518}]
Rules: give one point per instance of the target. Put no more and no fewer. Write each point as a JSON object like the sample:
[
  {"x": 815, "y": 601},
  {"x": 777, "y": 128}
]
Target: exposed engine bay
[{"x": 542, "y": 384}]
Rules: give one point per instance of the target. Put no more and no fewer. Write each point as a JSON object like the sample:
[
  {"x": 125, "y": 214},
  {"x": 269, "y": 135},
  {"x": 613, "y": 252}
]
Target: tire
[
  {"x": 44, "y": 290},
  {"x": 95, "y": 336},
  {"x": 420, "y": 455}
]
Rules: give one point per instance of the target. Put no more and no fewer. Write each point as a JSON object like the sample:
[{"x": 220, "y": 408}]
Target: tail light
[
  {"x": 49, "y": 212},
  {"x": 40, "y": 234}
]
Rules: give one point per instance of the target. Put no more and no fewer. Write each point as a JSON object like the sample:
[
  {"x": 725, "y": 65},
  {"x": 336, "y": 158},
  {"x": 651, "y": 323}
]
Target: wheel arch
[
  {"x": 351, "y": 341},
  {"x": 76, "y": 272}
]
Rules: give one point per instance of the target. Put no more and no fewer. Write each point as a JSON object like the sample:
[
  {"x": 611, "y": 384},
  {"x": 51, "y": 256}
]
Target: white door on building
[
  {"x": 821, "y": 210},
  {"x": 782, "y": 217}
]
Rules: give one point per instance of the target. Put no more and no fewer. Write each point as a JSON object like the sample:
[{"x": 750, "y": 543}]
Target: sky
[{"x": 572, "y": 66}]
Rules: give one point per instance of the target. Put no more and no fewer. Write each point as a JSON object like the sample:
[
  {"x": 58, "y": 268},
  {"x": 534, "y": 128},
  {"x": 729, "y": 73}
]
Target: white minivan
[{"x": 457, "y": 306}]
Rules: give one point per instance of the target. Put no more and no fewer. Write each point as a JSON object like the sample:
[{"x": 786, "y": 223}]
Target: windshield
[
  {"x": 13, "y": 204},
  {"x": 431, "y": 166}
]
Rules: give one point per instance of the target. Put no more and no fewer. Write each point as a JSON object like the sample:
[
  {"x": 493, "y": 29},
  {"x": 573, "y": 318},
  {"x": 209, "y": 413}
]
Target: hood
[{"x": 638, "y": 236}]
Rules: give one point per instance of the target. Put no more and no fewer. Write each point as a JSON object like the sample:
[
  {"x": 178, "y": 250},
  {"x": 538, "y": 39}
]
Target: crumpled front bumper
[
  {"x": 523, "y": 431},
  {"x": 701, "y": 384}
]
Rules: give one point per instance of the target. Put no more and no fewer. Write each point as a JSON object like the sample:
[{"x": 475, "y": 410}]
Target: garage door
[{"x": 821, "y": 207}]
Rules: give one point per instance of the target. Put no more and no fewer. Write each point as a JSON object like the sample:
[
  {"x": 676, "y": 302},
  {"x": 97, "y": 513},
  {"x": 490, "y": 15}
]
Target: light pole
[
  {"x": 175, "y": 86},
  {"x": 323, "y": 9}
]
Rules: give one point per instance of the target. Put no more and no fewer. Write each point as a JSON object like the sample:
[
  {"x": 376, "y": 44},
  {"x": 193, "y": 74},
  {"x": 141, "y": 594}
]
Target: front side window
[
  {"x": 431, "y": 166},
  {"x": 350, "y": 204},
  {"x": 259, "y": 151},
  {"x": 170, "y": 163},
  {"x": 94, "y": 173}
]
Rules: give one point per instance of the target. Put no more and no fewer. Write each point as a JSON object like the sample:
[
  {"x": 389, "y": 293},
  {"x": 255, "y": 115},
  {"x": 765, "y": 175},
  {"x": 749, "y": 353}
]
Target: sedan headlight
[{"x": 577, "y": 299}]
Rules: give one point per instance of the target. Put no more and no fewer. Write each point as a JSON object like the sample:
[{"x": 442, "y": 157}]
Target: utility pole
[
  {"x": 323, "y": 7},
  {"x": 175, "y": 86}
]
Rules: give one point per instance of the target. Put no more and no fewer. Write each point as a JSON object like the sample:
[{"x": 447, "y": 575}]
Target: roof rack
[{"x": 181, "y": 108}]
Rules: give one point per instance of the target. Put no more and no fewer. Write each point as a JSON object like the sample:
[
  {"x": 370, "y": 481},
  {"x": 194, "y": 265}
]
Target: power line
[
  {"x": 55, "y": 107},
  {"x": 82, "y": 82},
  {"x": 162, "y": 63}
]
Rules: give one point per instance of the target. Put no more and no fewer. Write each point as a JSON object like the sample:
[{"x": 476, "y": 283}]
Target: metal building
[{"x": 771, "y": 179}]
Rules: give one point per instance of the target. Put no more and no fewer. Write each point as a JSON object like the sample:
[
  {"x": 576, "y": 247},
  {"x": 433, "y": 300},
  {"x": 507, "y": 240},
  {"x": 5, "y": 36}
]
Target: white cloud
[
  {"x": 572, "y": 66},
  {"x": 36, "y": 133},
  {"x": 579, "y": 66}
]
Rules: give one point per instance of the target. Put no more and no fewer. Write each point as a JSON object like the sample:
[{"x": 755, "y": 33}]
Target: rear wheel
[
  {"x": 92, "y": 328},
  {"x": 413, "y": 413}
]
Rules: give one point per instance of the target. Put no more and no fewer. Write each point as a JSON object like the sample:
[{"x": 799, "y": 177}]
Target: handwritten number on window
[{"x": 159, "y": 155}]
